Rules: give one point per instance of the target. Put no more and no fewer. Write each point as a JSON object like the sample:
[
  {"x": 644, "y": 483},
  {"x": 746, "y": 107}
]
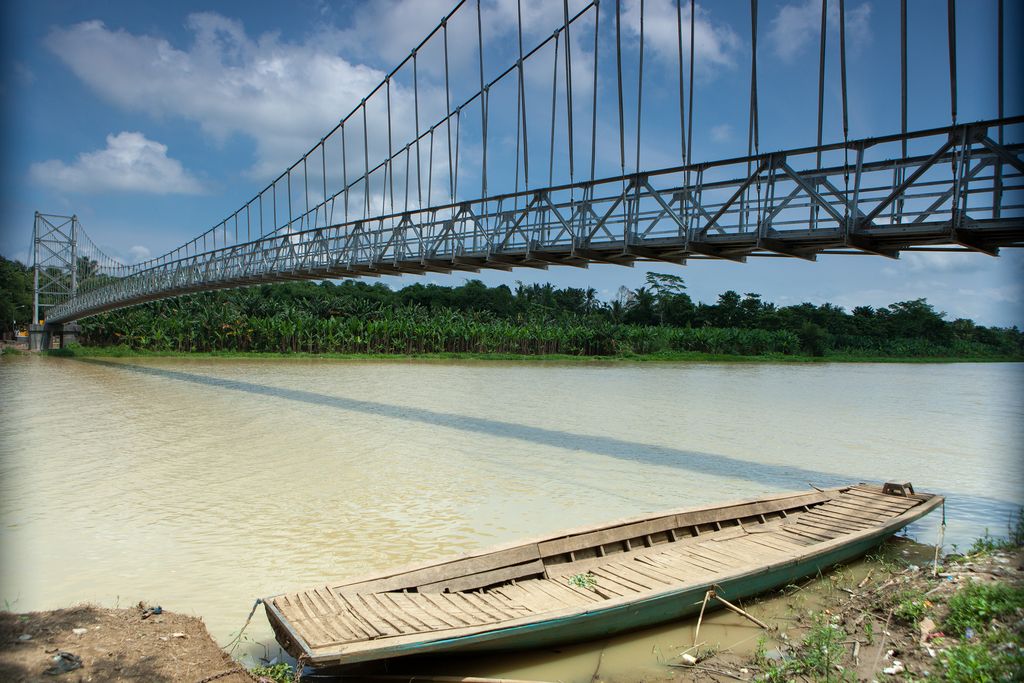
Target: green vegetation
[
  {"x": 658, "y": 321},
  {"x": 15, "y": 295},
  {"x": 910, "y": 605},
  {"x": 586, "y": 581},
  {"x": 978, "y": 604},
  {"x": 279, "y": 673},
  {"x": 1014, "y": 537},
  {"x": 816, "y": 658},
  {"x": 991, "y": 648}
]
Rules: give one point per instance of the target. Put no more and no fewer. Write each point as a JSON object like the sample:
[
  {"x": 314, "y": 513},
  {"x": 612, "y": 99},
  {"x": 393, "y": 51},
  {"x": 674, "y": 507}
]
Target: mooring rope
[
  {"x": 238, "y": 638},
  {"x": 942, "y": 537}
]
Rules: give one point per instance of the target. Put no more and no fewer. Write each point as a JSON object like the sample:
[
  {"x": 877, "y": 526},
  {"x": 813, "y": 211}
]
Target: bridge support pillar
[
  {"x": 38, "y": 337},
  {"x": 69, "y": 334}
]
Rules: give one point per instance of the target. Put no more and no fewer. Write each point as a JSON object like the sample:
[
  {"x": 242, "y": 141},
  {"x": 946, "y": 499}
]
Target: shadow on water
[{"x": 975, "y": 511}]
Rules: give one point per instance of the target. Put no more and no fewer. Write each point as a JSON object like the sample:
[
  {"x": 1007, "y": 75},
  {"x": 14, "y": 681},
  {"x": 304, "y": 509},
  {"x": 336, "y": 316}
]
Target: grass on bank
[{"x": 123, "y": 351}]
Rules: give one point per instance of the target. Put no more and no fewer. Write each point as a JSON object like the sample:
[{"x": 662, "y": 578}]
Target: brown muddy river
[{"x": 201, "y": 485}]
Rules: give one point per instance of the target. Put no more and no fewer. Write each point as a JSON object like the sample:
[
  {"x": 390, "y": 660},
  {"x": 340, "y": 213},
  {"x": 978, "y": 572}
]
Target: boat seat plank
[
  {"x": 865, "y": 508},
  {"x": 482, "y": 579},
  {"x": 608, "y": 578},
  {"x": 823, "y": 522},
  {"x": 814, "y": 536},
  {"x": 832, "y": 513},
  {"x": 881, "y": 499},
  {"x": 728, "y": 550},
  {"x": 370, "y": 611},
  {"x": 719, "y": 552},
  {"x": 778, "y": 542},
  {"x": 510, "y": 609},
  {"x": 667, "y": 569},
  {"x": 624, "y": 571},
  {"x": 656, "y": 573},
  {"x": 478, "y": 564},
  {"x": 572, "y": 595},
  {"x": 321, "y": 631},
  {"x": 445, "y": 610},
  {"x": 345, "y": 630},
  {"x": 415, "y": 609}
]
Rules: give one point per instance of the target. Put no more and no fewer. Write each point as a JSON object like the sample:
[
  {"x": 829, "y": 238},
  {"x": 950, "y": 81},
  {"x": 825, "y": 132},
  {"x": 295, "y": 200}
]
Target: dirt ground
[{"x": 113, "y": 645}]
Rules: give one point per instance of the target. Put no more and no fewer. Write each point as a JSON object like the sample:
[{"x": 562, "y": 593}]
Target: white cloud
[
  {"x": 721, "y": 133},
  {"x": 129, "y": 163},
  {"x": 946, "y": 262},
  {"x": 798, "y": 24},
  {"x": 138, "y": 253},
  {"x": 283, "y": 95},
  {"x": 715, "y": 44}
]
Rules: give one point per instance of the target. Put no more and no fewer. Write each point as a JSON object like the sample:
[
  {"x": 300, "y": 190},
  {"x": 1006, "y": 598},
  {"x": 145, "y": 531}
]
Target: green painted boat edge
[{"x": 632, "y": 614}]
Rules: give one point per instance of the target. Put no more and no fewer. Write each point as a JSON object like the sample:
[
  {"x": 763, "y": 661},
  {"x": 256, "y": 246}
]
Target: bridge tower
[{"x": 55, "y": 276}]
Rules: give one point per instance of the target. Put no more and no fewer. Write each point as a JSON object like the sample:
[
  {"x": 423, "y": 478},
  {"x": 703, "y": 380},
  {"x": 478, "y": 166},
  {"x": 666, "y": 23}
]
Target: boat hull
[{"x": 802, "y": 542}]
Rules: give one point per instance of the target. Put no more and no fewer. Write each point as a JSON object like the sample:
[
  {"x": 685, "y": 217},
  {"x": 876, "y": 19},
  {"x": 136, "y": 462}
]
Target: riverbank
[
  {"x": 90, "y": 643},
  {"x": 888, "y": 617},
  {"x": 660, "y": 357},
  {"x": 960, "y": 621}
]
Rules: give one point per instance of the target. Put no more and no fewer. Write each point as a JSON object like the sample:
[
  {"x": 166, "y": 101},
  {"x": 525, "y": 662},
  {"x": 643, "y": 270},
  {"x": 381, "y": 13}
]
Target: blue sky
[{"x": 153, "y": 121}]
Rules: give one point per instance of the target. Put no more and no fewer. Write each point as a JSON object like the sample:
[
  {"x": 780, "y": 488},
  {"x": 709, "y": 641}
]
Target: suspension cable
[
  {"x": 416, "y": 110},
  {"x": 951, "y": 24},
  {"x": 903, "y": 74},
  {"x": 554, "y": 92},
  {"x": 618, "y": 66},
  {"x": 593, "y": 119},
  {"x": 483, "y": 100},
  {"x": 366, "y": 167},
  {"x": 689, "y": 132},
  {"x": 448, "y": 112},
  {"x": 842, "y": 71},
  {"x": 682, "y": 83},
  {"x": 389, "y": 167},
  {"x": 568, "y": 87},
  {"x": 522, "y": 91},
  {"x": 344, "y": 173},
  {"x": 640, "y": 89},
  {"x": 821, "y": 74}
]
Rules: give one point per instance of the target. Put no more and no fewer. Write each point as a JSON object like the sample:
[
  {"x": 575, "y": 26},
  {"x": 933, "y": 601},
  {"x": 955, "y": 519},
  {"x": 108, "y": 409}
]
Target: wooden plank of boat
[{"x": 637, "y": 572}]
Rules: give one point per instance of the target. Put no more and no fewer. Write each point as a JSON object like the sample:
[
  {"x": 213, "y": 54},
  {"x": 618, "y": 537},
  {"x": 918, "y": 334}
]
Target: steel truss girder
[{"x": 769, "y": 204}]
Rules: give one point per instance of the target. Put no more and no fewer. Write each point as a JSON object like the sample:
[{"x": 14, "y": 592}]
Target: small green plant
[
  {"x": 869, "y": 631},
  {"x": 585, "y": 581},
  {"x": 978, "y": 604},
  {"x": 822, "y": 649},
  {"x": 1014, "y": 537},
  {"x": 281, "y": 672},
  {"x": 980, "y": 662},
  {"x": 911, "y": 606},
  {"x": 761, "y": 653}
]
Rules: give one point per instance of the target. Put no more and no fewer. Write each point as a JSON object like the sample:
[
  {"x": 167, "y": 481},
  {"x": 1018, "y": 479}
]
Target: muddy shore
[{"x": 888, "y": 617}]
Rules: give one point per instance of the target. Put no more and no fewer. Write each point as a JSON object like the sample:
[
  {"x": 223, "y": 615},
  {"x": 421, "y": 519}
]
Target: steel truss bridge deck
[{"x": 964, "y": 191}]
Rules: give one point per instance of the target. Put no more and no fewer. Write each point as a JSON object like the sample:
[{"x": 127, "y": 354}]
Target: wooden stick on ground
[
  {"x": 881, "y": 645},
  {"x": 741, "y": 612}
]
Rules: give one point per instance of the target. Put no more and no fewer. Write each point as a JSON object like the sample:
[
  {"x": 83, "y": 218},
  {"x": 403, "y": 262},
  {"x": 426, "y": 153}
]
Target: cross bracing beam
[{"x": 761, "y": 205}]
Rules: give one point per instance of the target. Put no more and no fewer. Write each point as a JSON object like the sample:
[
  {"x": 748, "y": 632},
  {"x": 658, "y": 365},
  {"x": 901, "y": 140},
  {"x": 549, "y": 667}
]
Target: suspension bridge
[{"x": 422, "y": 178}]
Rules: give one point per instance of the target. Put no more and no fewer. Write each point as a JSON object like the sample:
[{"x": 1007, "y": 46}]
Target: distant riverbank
[{"x": 662, "y": 356}]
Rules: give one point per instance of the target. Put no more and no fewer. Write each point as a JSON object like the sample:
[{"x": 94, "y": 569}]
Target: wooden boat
[{"x": 593, "y": 582}]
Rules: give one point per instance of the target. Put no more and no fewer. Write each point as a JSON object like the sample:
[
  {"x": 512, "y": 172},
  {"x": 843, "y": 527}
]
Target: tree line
[{"x": 355, "y": 316}]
